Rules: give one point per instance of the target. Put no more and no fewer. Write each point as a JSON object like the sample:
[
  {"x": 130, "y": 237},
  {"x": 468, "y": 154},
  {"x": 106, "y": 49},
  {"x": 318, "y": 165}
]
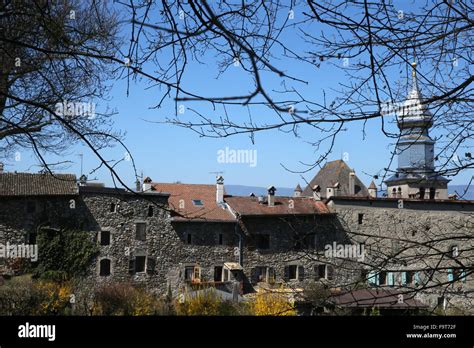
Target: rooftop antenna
[
  {"x": 217, "y": 173},
  {"x": 82, "y": 160}
]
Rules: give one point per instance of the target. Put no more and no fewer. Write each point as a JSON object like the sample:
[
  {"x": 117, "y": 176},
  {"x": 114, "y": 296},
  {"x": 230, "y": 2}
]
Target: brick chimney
[
  {"x": 271, "y": 196},
  {"x": 220, "y": 190}
]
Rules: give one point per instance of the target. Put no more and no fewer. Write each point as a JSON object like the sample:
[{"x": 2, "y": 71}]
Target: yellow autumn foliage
[
  {"x": 272, "y": 304},
  {"x": 56, "y": 297}
]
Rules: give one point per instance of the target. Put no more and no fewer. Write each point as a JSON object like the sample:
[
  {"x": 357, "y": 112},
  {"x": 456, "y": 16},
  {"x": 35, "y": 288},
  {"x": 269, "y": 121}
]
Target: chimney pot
[{"x": 271, "y": 196}]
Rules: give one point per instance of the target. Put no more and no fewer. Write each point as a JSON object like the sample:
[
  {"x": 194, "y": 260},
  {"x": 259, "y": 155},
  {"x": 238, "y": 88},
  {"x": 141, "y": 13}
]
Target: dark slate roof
[
  {"x": 117, "y": 191},
  {"x": 29, "y": 184},
  {"x": 250, "y": 206},
  {"x": 331, "y": 173}
]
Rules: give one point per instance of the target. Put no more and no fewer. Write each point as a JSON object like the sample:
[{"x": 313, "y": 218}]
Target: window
[
  {"x": 218, "y": 273},
  {"x": 320, "y": 271},
  {"x": 192, "y": 273},
  {"x": 263, "y": 241},
  {"x": 264, "y": 274},
  {"x": 140, "y": 231},
  {"x": 189, "y": 238},
  {"x": 221, "y": 239},
  {"x": 113, "y": 208},
  {"x": 140, "y": 264},
  {"x": 104, "y": 267},
  {"x": 422, "y": 193},
  {"x": 104, "y": 238},
  {"x": 198, "y": 202},
  {"x": 292, "y": 272},
  {"x": 188, "y": 272},
  {"x": 442, "y": 302},
  {"x": 432, "y": 193},
  {"x": 30, "y": 207},
  {"x": 361, "y": 218},
  {"x": 150, "y": 211}
]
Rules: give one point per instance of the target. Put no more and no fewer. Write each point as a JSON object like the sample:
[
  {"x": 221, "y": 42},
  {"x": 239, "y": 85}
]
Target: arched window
[
  {"x": 104, "y": 267},
  {"x": 399, "y": 192},
  {"x": 113, "y": 208},
  {"x": 394, "y": 192}
]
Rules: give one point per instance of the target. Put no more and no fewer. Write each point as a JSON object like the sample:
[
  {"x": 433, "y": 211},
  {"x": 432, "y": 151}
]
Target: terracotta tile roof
[
  {"x": 248, "y": 206},
  {"x": 185, "y": 194},
  {"x": 332, "y": 173},
  {"x": 29, "y": 184}
]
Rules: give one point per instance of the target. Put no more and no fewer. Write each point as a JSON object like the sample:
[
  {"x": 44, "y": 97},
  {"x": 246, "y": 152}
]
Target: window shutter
[
  {"x": 372, "y": 279},
  {"x": 300, "y": 273},
  {"x": 131, "y": 266},
  {"x": 150, "y": 265},
  {"x": 404, "y": 278},
  {"x": 254, "y": 275},
  {"x": 377, "y": 279},
  {"x": 463, "y": 275},
  {"x": 287, "y": 273},
  {"x": 450, "y": 275},
  {"x": 417, "y": 278},
  {"x": 391, "y": 280},
  {"x": 271, "y": 275}
]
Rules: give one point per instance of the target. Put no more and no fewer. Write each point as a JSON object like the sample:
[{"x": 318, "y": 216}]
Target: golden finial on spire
[{"x": 413, "y": 72}]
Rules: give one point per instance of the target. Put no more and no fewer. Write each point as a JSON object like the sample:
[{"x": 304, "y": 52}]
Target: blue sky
[{"x": 169, "y": 153}]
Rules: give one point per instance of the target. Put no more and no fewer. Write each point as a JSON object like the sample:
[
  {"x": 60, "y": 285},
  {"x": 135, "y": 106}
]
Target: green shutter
[
  {"x": 450, "y": 275},
  {"x": 404, "y": 278},
  {"x": 463, "y": 275},
  {"x": 417, "y": 278},
  {"x": 391, "y": 279},
  {"x": 372, "y": 278}
]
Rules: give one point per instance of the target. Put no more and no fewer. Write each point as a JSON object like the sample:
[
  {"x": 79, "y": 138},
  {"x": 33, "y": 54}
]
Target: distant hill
[
  {"x": 460, "y": 191},
  {"x": 242, "y": 190}
]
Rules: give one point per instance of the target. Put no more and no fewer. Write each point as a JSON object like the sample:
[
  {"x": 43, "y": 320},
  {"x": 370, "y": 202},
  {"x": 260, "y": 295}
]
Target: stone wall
[{"x": 410, "y": 239}]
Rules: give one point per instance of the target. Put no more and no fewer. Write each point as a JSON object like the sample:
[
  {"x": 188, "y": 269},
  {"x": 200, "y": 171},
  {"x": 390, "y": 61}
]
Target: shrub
[
  {"x": 272, "y": 303},
  {"x": 124, "y": 299}
]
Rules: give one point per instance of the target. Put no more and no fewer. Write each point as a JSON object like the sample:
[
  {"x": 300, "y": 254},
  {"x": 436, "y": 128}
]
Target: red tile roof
[
  {"x": 181, "y": 202},
  {"x": 248, "y": 206}
]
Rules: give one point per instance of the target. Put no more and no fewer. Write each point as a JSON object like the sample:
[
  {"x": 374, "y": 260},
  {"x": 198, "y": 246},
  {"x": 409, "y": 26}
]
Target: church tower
[{"x": 416, "y": 176}]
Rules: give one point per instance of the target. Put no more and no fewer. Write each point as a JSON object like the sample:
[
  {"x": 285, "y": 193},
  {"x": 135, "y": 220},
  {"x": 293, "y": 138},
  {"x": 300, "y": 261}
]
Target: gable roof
[
  {"x": 332, "y": 173},
  {"x": 31, "y": 184},
  {"x": 250, "y": 206},
  {"x": 181, "y": 202}
]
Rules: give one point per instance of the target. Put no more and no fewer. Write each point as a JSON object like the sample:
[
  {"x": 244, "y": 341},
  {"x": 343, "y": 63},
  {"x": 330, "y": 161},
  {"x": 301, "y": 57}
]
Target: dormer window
[{"x": 198, "y": 202}]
